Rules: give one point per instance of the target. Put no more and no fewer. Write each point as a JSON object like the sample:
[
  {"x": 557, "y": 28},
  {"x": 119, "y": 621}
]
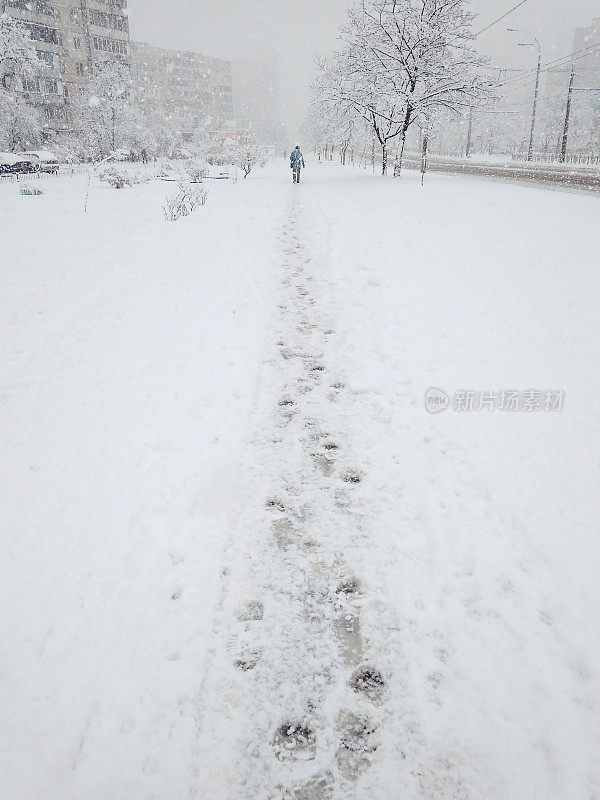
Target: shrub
[
  {"x": 115, "y": 178},
  {"x": 187, "y": 199},
  {"x": 196, "y": 171}
]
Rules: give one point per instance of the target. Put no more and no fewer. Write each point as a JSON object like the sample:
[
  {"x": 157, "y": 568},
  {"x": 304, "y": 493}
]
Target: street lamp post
[
  {"x": 535, "y": 43},
  {"x": 565, "y": 136}
]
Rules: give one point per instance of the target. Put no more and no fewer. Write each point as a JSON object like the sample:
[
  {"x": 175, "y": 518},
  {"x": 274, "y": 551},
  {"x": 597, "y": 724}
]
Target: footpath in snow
[{"x": 241, "y": 558}]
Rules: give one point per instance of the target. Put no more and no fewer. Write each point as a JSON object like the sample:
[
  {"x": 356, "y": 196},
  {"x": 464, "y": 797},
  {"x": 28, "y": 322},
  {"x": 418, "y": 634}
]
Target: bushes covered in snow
[
  {"x": 119, "y": 178},
  {"x": 187, "y": 199},
  {"x": 196, "y": 170}
]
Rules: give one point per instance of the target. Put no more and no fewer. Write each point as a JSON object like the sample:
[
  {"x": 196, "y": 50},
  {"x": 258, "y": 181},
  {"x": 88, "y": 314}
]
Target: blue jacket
[{"x": 296, "y": 159}]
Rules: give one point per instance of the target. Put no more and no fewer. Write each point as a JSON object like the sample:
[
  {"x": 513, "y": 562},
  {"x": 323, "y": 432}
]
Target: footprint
[
  {"x": 324, "y": 463},
  {"x": 253, "y": 612},
  {"x": 310, "y": 545},
  {"x": 283, "y": 532},
  {"x": 352, "y": 476},
  {"x": 295, "y": 741},
  {"x": 347, "y": 634},
  {"x": 369, "y": 682},
  {"x": 350, "y": 588},
  {"x": 319, "y": 787},
  {"x": 247, "y": 661},
  {"x": 357, "y": 744},
  {"x": 275, "y": 503}
]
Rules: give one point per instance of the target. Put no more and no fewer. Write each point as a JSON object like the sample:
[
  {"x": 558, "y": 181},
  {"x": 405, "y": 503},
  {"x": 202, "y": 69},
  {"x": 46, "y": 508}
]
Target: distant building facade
[
  {"x": 587, "y": 68},
  {"x": 70, "y": 35},
  {"x": 257, "y": 98},
  {"x": 190, "y": 87}
]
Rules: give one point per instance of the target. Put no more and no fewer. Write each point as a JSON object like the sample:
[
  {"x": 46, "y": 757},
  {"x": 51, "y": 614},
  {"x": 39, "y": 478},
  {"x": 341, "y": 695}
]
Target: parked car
[
  {"x": 29, "y": 163},
  {"x": 42, "y": 161},
  {"x": 11, "y": 164}
]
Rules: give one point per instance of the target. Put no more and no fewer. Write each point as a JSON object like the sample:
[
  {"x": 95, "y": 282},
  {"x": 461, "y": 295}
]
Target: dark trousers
[{"x": 297, "y": 174}]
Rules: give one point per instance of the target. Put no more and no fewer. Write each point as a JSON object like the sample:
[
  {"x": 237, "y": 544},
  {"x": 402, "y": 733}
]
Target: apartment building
[
  {"x": 188, "y": 87},
  {"x": 69, "y": 35},
  {"x": 586, "y": 42},
  {"x": 257, "y": 98}
]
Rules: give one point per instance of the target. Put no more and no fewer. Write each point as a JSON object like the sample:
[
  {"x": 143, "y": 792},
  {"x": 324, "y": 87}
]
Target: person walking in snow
[{"x": 297, "y": 162}]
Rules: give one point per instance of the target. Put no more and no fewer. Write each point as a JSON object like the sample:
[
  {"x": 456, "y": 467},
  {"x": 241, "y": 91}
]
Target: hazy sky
[{"x": 298, "y": 30}]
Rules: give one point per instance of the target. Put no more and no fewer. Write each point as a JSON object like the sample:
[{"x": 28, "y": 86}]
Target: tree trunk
[
  {"x": 400, "y": 150},
  {"x": 384, "y": 157},
  {"x": 399, "y": 156}
]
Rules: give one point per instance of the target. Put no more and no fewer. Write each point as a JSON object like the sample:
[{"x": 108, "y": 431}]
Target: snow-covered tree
[
  {"x": 550, "y": 125},
  {"x": 584, "y": 130},
  {"x": 403, "y": 61},
  {"x": 245, "y": 153},
  {"x": 20, "y": 124},
  {"x": 18, "y": 52},
  {"x": 495, "y": 133},
  {"x": 108, "y": 117},
  {"x": 339, "y": 128}
]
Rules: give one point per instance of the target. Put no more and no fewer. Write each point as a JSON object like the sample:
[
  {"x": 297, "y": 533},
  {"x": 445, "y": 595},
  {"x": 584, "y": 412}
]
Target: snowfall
[{"x": 240, "y": 558}]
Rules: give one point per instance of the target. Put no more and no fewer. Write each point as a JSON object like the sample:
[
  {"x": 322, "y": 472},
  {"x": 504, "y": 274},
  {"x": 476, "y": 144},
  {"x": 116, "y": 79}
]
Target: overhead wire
[{"x": 504, "y": 16}]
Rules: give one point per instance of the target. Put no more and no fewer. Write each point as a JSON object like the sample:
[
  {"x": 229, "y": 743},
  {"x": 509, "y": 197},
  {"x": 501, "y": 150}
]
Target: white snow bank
[
  {"x": 484, "y": 525},
  {"x": 130, "y": 349}
]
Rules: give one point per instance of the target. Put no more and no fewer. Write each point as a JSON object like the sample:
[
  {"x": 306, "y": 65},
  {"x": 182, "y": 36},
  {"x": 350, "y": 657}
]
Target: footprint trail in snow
[{"x": 294, "y": 704}]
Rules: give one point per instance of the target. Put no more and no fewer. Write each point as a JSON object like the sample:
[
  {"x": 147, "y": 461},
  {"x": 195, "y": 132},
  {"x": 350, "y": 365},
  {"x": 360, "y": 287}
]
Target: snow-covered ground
[{"x": 239, "y": 558}]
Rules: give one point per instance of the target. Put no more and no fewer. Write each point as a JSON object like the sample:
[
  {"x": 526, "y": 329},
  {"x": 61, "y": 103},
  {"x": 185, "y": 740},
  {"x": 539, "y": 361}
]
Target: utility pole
[
  {"x": 424, "y": 158},
  {"x": 469, "y": 133},
  {"x": 565, "y": 138},
  {"x": 537, "y": 84},
  {"x": 535, "y": 102}
]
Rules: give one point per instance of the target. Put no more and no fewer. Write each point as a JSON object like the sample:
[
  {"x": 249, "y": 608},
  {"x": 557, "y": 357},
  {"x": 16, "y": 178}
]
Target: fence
[{"x": 65, "y": 169}]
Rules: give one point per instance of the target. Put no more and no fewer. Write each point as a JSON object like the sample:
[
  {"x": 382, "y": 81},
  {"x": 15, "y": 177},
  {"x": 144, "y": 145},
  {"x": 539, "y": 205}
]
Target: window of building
[
  {"x": 42, "y": 7},
  {"x": 31, "y": 85},
  {"x": 79, "y": 68},
  {"x": 41, "y": 86},
  {"x": 56, "y": 112},
  {"x": 77, "y": 43},
  {"x": 102, "y": 19},
  {"x": 47, "y": 58},
  {"x": 39, "y": 6},
  {"x": 75, "y": 17},
  {"x": 109, "y": 45},
  {"x": 42, "y": 33}
]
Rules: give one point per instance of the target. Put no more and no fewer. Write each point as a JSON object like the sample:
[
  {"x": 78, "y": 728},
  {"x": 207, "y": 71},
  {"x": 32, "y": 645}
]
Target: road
[{"x": 554, "y": 175}]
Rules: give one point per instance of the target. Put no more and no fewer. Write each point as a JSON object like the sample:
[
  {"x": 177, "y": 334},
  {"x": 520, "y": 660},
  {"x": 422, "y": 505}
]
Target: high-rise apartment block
[
  {"x": 189, "y": 87},
  {"x": 69, "y": 36}
]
